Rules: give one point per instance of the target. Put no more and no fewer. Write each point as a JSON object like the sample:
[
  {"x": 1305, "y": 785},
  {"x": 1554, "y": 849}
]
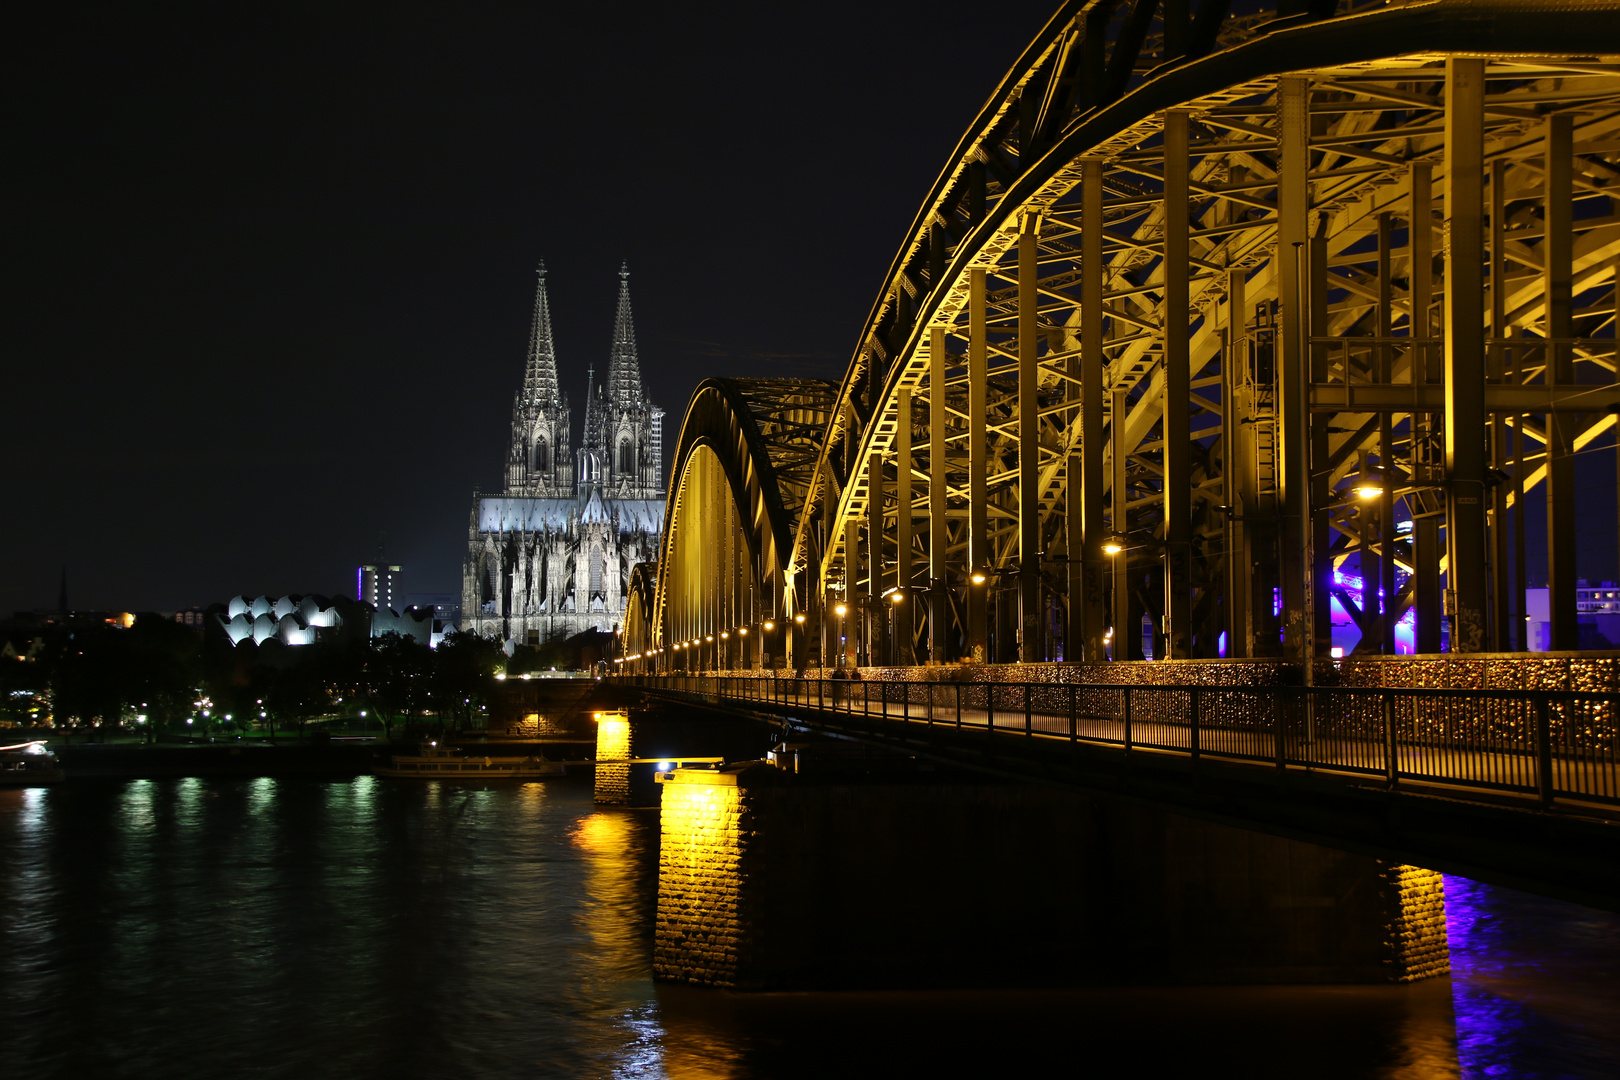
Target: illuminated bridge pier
[{"x": 823, "y": 876}]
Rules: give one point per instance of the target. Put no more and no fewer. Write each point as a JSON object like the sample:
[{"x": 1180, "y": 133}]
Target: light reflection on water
[
  {"x": 221, "y": 928},
  {"x": 1534, "y": 984}
]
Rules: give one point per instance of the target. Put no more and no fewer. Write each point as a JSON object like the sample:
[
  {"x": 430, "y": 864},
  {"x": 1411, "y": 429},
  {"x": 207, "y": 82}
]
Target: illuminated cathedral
[{"x": 551, "y": 555}]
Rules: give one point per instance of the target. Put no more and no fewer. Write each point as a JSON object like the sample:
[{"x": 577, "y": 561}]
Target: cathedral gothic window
[
  {"x": 542, "y": 459},
  {"x": 627, "y": 456}
]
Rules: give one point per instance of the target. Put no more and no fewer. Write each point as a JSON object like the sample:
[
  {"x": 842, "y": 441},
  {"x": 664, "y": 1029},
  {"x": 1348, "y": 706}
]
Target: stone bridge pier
[
  {"x": 634, "y": 738},
  {"x": 805, "y": 874}
]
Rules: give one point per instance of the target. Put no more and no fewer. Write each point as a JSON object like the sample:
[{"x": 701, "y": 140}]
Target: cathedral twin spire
[{"x": 617, "y": 413}]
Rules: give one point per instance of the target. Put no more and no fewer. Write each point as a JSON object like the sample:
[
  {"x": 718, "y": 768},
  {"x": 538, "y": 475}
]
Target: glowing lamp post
[{"x": 1114, "y": 546}]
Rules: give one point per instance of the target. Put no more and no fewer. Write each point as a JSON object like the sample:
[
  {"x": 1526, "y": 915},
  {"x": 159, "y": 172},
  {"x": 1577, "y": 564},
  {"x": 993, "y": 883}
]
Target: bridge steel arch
[
  {"x": 640, "y": 599},
  {"x": 1191, "y": 281},
  {"x": 741, "y": 476}
]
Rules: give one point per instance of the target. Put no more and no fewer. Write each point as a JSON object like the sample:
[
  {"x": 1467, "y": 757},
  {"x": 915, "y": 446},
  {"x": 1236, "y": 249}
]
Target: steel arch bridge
[{"x": 1217, "y": 319}]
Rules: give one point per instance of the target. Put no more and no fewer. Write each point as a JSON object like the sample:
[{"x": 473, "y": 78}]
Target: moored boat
[
  {"x": 28, "y": 763},
  {"x": 442, "y": 764}
]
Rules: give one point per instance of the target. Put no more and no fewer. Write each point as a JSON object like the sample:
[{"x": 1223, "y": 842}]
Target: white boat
[
  {"x": 28, "y": 763},
  {"x": 437, "y": 764}
]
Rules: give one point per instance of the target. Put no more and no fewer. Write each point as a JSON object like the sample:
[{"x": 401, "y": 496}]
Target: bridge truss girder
[
  {"x": 1162, "y": 298},
  {"x": 742, "y": 471}
]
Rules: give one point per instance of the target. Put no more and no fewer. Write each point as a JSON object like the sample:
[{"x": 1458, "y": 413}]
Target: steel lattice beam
[{"x": 1175, "y": 292}]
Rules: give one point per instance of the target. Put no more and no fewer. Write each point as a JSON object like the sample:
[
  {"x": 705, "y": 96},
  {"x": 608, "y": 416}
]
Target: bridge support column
[
  {"x": 1177, "y": 394},
  {"x": 1089, "y": 613},
  {"x": 1237, "y": 472},
  {"x": 1293, "y": 201},
  {"x": 904, "y": 612},
  {"x": 1426, "y": 529},
  {"x": 849, "y": 625},
  {"x": 1557, "y": 278},
  {"x": 939, "y": 601},
  {"x": 1386, "y": 446},
  {"x": 1316, "y": 357},
  {"x": 1127, "y": 633},
  {"x": 1465, "y": 353},
  {"x": 979, "y": 563},
  {"x": 770, "y": 879},
  {"x": 881, "y": 649},
  {"x": 1030, "y": 647}
]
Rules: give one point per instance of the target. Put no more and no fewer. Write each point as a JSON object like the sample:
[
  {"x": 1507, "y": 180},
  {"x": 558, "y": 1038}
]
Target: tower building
[{"x": 551, "y": 555}]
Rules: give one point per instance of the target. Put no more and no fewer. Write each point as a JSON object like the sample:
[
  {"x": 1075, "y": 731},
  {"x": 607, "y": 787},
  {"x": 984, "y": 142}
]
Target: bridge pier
[
  {"x": 614, "y": 737},
  {"x": 631, "y": 743},
  {"x": 771, "y": 879}
]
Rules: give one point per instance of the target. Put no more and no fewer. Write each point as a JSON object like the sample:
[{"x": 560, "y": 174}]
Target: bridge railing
[{"x": 1549, "y": 744}]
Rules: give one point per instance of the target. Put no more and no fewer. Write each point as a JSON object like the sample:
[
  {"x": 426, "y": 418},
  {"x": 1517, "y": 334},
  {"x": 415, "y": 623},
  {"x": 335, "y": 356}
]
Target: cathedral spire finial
[
  {"x": 624, "y": 368},
  {"x": 540, "y": 374},
  {"x": 538, "y": 458}
]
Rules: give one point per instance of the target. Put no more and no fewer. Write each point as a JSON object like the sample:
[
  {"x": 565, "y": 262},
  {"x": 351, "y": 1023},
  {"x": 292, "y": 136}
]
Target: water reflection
[
  {"x": 400, "y": 929},
  {"x": 1534, "y": 984}
]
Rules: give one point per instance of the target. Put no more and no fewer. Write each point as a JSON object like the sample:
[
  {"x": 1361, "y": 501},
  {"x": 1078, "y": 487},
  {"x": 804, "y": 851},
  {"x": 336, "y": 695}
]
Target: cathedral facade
[{"x": 551, "y": 555}]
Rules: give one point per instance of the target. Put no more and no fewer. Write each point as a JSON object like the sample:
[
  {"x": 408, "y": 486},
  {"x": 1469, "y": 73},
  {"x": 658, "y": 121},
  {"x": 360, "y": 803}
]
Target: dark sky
[{"x": 269, "y": 269}]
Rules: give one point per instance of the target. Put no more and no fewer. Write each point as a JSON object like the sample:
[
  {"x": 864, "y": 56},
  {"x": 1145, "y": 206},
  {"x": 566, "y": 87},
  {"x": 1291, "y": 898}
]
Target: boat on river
[
  {"x": 28, "y": 763},
  {"x": 444, "y": 764}
]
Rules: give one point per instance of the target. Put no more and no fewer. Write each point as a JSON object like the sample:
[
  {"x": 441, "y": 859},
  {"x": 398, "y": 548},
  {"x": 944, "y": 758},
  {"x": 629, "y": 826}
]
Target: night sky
[{"x": 269, "y": 270}]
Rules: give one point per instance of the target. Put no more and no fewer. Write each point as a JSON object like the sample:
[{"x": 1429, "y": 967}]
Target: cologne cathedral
[{"x": 551, "y": 555}]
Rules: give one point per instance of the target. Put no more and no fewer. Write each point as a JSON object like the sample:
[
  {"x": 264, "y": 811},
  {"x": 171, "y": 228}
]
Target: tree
[
  {"x": 163, "y": 671},
  {"x": 93, "y": 680},
  {"x": 398, "y": 677},
  {"x": 464, "y": 668}
]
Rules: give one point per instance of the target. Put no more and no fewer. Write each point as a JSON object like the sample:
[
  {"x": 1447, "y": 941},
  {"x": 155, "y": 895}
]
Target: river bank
[
  {"x": 335, "y": 759},
  {"x": 87, "y": 761}
]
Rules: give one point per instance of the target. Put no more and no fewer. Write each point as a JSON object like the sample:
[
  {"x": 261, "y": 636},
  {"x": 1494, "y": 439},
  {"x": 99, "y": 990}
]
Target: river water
[{"x": 372, "y": 928}]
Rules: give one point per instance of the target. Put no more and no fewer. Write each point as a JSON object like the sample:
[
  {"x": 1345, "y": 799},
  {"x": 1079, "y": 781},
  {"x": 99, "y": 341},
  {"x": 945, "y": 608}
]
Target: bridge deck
[
  {"x": 1552, "y": 746},
  {"x": 1521, "y": 788}
]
